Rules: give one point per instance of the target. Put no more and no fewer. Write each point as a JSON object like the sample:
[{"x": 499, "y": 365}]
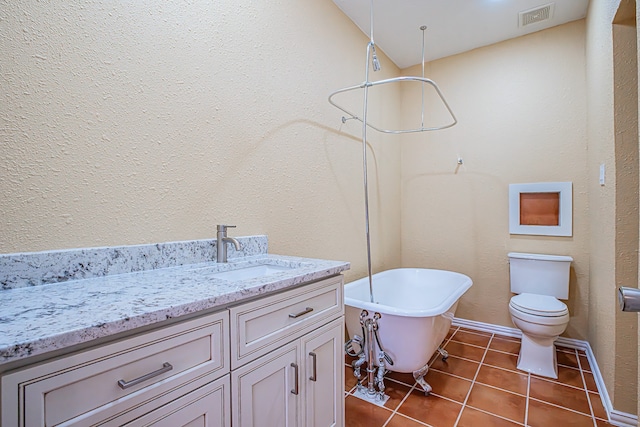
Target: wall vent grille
[{"x": 538, "y": 14}]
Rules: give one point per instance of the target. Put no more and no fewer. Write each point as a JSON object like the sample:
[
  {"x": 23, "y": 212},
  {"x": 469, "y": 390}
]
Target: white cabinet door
[
  {"x": 323, "y": 356},
  {"x": 267, "y": 392}
]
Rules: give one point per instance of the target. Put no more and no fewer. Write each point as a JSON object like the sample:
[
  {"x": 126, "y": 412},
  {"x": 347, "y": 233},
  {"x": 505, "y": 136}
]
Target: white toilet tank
[{"x": 540, "y": 274}]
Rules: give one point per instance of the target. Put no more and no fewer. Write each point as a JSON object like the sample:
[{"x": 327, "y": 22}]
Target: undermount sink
[{"x": 251, "y": 272}]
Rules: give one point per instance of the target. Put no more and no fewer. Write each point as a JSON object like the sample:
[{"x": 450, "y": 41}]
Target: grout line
[
  {"x": 395, "y": 411},
  {"x": 457, "y": 357},
  {"x": 422, "y": 423},
  {"x": 497, "y": 416},
  {"x": 466, "y": 343},
  {"x": 526, "y": 403},
  {"x": 562, "y": 407},
  {"x": 445, "y": 398},
  {"x": 399, "y": 382},
  {"x": 464, "y": 403},
  {"x": 501, "y": 389},
  {"x": 503, "y": 352},
  {"x": 570, "y": 367},
  {"x": 450, "y": 374},
  {"x": 476, "y": 332},
  {"x": 586, "y": 390},
  {"x": 558, "y": 382}
]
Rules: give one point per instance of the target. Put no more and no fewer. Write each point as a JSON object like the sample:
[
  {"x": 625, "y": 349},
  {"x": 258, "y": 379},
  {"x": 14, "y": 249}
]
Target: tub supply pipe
[
  {"x": 382, "y": 369},
  {"x": 371, "y": 367},
  {"x": 357, "y": 364}
]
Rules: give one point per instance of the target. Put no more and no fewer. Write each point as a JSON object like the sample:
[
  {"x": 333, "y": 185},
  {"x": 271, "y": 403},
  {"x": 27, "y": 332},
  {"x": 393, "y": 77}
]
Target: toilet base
[{"x": 538, "y": 356}]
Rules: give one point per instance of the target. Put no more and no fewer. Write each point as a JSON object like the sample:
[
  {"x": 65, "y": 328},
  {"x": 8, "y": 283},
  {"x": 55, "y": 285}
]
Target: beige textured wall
[
  {"x": 600, "y": 148},
  {"x": 612, "y": 140},
  {"x": 637, "y": 15},
  {"x": 626, "y": 182},
  {"x": 521, "y": 106},
  {"x": 147, "y": 121}
]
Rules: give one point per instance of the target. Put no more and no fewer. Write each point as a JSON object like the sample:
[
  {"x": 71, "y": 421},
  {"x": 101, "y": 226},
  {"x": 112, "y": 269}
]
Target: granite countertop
[{"x": 38, "y": 319}]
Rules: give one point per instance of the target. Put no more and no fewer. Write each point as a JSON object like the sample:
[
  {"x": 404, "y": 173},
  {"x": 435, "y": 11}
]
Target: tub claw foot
[
  {"x": 443, "y": 353},
  {"x": 419, "y": 377}
]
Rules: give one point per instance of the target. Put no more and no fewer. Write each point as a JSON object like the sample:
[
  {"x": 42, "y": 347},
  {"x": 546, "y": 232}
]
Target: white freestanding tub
[{"x": 416, "y": 307}]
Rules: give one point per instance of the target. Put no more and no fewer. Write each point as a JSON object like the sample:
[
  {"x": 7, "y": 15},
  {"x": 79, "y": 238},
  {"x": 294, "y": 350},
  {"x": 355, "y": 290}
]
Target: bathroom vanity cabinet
[
  {"x": 117, "y": 383},
  {"x": 287, "y": 360},
  {"x": 272, "y": 361}
]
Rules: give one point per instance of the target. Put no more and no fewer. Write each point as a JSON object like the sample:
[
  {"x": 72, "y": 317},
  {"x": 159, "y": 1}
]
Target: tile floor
[{"x": 479, "y": 385}]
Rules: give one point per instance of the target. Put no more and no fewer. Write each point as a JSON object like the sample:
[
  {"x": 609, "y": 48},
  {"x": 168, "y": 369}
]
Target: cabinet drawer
[
  {"x": 263, "y": 325},
  {"x": 93, "y": 385},
  {"x": 208, "y": 406}
]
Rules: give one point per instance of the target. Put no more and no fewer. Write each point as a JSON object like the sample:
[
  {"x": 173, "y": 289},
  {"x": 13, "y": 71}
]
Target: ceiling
[{"x": 453, "y": 26}]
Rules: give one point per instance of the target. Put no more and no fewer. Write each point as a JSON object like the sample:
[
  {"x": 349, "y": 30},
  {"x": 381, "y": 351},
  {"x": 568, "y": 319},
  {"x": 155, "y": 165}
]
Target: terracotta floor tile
[
  {"x": 559, "y": 394},
  {"x": 498, "y": 396},
  {"x": 598, "y": 407},
  {"x": 505, "y": 345},
  {"x": 432, "y": 410},
  {"x": 511, "y": 406},
  {"x": 567, "y": 359},
  {"x": 359, "y": 413},
  {"x": 584, "y": 363},
  {"x": 568, "y": 376},
  {"x": 405, "y": 378},
  {"x": 474, "y": 418},
  {"x": 501, "y": 378},
  {"x": 471, "y": 338},
  {"x": 396, "y": 393},
  {"x": 455, "y": 366},
  {"x": 349, "y": 380},
  {"x": 446, "y": 385},
  {"x": 400, "y": 420},
  {"x": 590, "y": 382},
  {"x": 543, "y": 415},
  {"x": 464, "y": 351},
  {"x": 501, "y": 360}
]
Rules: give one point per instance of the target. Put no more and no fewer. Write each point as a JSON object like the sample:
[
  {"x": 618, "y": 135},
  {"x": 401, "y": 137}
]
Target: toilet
[{"x": 540, "y": 282}]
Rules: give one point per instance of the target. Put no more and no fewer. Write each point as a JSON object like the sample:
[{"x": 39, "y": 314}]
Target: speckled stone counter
[{"x": 105, "y": 291}]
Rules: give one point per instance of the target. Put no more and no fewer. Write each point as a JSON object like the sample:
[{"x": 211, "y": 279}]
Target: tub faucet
[{"x": 221, "y": 244}]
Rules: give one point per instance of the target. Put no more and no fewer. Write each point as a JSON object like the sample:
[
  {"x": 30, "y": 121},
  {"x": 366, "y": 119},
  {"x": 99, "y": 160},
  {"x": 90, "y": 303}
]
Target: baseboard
[{"x": 617, "y": 418}]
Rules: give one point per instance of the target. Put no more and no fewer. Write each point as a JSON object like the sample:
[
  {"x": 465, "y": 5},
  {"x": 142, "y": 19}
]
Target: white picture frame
[{"x": 565, "y": 215}]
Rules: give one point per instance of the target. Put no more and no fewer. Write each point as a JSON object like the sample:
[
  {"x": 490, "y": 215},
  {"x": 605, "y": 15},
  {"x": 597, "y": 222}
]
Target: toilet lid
[{"x": 539, "y": 305}]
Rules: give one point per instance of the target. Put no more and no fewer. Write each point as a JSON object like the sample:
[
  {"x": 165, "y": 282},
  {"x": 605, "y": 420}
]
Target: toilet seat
[{"x": 538, "y": 305}]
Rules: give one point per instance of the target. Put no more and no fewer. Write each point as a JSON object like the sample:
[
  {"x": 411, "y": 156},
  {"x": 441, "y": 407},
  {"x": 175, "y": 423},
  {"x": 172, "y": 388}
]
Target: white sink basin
[{"x": 250, "y": 272}]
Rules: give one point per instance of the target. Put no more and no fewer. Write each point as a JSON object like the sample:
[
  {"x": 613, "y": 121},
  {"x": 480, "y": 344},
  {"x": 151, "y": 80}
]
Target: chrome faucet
[{"x": 221, "y": 244}]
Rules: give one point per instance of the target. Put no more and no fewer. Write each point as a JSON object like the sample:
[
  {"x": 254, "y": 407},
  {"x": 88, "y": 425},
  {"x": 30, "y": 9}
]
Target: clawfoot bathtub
[{"x": 416, "y": 307}]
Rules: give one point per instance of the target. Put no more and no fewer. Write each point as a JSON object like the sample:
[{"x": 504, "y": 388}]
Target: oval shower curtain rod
[
  {"x": 393, "y": 80},
  {"x": 367, "y": 84}
]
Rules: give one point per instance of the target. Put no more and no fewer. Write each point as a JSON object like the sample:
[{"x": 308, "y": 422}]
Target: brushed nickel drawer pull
[
  {"x": 166, "y": 367},
  {"x": 314, "y": 376},
  {"x": 295, "y": 384},
  {"x": 302, "y": 313}
]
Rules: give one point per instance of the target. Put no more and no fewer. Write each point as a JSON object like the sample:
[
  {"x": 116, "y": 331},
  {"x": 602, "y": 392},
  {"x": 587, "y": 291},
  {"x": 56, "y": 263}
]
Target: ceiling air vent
[{"x": 538, "y": 14}]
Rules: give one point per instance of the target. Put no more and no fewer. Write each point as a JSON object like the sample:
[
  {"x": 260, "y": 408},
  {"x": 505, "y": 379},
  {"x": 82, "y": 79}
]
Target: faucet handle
[{"x": 224, "y": 227}]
